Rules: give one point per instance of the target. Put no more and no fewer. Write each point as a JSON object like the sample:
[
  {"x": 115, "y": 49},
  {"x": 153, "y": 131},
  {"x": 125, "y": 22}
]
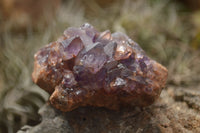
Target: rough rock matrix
[{"x": 86, "y": 67}]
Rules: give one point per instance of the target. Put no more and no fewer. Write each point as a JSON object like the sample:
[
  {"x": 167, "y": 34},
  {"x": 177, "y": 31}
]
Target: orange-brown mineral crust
[{"x": 85, "y": 67}]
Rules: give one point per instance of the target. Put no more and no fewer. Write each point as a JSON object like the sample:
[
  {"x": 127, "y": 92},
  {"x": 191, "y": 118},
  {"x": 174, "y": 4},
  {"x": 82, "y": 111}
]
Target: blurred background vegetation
[{"x": 168, "y": 30}]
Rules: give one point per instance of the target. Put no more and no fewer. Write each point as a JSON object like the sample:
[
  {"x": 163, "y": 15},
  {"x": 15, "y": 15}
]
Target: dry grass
[{"x": 158, "y": 26}]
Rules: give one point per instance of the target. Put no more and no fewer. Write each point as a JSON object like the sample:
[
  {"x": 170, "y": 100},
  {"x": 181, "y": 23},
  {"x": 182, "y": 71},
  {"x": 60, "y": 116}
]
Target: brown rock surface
[{"x": 171, "y": 114}]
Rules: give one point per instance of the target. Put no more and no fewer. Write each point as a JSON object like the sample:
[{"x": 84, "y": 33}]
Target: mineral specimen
[{"x": 89, "y": 68}]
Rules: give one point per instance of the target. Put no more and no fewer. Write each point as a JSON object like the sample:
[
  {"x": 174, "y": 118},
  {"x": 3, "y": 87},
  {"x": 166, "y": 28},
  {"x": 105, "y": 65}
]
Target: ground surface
[{"x": 176, "y": 111}]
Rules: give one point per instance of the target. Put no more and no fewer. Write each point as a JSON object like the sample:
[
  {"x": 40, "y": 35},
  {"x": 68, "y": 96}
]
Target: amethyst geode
[{"x": 86, "y": 67}]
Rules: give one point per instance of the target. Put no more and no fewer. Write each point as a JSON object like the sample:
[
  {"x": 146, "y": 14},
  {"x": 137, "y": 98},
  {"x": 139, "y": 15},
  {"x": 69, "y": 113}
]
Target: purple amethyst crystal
[{"x": 86, "y": 67}]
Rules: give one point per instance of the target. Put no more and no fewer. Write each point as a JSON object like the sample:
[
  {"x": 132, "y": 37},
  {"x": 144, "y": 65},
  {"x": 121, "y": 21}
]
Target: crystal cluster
[{"x": 85, "y": 67}]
